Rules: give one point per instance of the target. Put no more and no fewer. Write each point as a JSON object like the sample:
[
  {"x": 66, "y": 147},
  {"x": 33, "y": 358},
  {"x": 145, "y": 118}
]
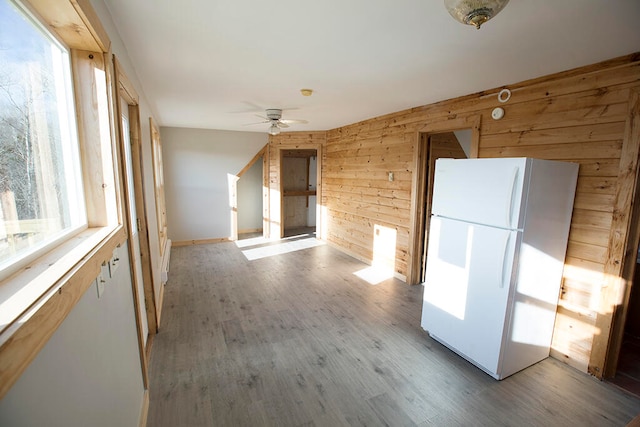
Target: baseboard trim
[
  {"x": 148, "y": 347},
  {"x": 250, "y": 230},
  {"x": 200, "y": 242},
  {"x": 144, "y": 411},
  {"x": 159, "y": 306}
]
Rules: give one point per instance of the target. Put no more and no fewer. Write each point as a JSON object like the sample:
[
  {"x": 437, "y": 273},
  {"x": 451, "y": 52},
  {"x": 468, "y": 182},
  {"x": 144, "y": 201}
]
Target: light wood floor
[{"x": 298, "y": 340}]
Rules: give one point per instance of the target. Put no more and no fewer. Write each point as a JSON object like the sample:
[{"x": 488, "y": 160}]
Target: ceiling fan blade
[
  {"x": 250, "y": 108},
  {"x": 257, "y": 123},
  {"x": 294, "y": 121},
  {"x": 282, "y": 124}
]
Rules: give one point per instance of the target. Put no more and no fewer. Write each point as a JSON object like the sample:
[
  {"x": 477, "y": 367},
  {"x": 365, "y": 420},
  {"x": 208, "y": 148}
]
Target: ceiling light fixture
[
  {"x": 474, "y": 12},
  {"x": 274, "y": 129},
  {"x": 306, "y": 92}
]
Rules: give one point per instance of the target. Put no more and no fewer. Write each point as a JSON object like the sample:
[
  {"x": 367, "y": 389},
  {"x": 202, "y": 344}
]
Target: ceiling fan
[{"x": 274, "y": 116}]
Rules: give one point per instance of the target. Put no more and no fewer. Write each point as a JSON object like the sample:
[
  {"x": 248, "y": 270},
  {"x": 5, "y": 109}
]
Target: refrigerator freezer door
[
  {"x": 483, "y": 191},
  {"x": 467, "y": 286}
]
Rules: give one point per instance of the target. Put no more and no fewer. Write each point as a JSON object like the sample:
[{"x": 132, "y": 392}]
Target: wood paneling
[{"x": 580, "y": 116}]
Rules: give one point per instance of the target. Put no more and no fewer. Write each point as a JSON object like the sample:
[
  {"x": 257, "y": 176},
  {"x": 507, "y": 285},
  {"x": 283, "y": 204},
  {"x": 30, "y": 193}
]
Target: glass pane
[
  {"x": 129, "y": 166},
  {"x": 40, "y": 185}
]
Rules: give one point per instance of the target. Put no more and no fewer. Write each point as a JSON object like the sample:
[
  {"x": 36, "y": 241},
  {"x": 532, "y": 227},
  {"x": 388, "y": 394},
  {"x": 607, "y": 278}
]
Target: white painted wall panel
[
  {"x": 196, "y": 165},
  {"x": 88, "y": 374},
  {"x": 250, "y": 198}
]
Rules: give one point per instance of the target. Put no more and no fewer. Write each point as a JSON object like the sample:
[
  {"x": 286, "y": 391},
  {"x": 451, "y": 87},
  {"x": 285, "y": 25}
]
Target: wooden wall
[{"x": 581, "y": 115}]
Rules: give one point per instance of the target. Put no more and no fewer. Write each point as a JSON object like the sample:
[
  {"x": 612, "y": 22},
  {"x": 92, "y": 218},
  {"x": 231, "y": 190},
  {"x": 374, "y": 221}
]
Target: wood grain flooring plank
[
  {"x": 389, "y": 410},
  {"x": 297, "y": 339}
]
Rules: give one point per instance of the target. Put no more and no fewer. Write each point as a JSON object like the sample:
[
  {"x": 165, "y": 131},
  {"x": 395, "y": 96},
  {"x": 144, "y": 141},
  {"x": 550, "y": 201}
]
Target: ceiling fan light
[
  {"x": 474, "y": 12},
  {"x": 274, "y": 129}
]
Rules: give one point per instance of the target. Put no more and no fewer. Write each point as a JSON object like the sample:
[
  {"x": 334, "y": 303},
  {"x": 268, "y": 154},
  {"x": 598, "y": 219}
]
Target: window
[
  {"x": 66, "y": 221},
  {"x": 41, "y": 195}
]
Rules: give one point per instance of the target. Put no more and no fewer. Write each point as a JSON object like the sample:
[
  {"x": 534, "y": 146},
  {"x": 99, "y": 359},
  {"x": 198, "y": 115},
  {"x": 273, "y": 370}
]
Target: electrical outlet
[
  {"x": 99, "y": 285},
  {"x": 101, "y": 280},
  {"x": 105, "y": 270},
  {"x": 115, "y": 261}
]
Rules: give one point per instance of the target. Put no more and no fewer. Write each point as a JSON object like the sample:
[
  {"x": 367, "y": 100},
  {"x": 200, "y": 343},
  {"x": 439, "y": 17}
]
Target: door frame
[
  {"x": 126, "y": 92},
  {"x": 276, "y": 211},
  {"x": 419, "y": 200},
  {"x": 615, "y": 296},
  {"x": 283, "y": 155}
]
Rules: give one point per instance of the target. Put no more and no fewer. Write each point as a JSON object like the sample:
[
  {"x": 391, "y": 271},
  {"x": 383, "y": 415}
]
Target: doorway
[
  {"x": 128, "y": 118},
  {"x": 627, "y": 374},
  {"x": 625, "y": 371},
  {"x": 299, "y": 191},
  {"x": 454, "y": 138},
  {"x": 134, "y": 234},
  {"x": 452, "y": 145}
]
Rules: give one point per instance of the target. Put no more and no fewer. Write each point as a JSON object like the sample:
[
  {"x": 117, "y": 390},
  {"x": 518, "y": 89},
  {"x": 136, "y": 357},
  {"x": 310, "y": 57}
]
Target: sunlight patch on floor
[
  {"x": 273, "y": 248},
  {"x": 254, "y": 241},
  {"x": 375, "y": 275}
]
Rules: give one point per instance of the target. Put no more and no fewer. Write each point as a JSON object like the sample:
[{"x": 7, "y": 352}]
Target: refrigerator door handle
[
  {"x": 510, "y": 195},
  {"x": 503, "y": 264}
]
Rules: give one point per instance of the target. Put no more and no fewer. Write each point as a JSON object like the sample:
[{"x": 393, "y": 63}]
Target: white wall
[
  {"x": 88, "y": 373},
  {"x": 196, "y": 164},
  {"x": 464, "y": 138},
  {"x": 250, "y": 198}
]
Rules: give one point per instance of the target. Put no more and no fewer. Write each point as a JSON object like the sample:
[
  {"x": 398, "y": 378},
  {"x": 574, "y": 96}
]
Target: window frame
[
  {"x": 41, "y": 248},
  {"x": 49, "y": 287},
  {"x": 158, "y": 185}
]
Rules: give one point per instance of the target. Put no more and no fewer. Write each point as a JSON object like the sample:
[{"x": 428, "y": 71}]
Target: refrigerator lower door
[{"x": 467, "y": 289}]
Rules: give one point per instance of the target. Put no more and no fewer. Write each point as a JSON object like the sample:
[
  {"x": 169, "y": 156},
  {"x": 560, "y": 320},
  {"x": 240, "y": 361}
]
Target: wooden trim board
[
  {"x": 259, "y": 154},
  {"x": 250, "y": 230},
  {"x": 144, "y": 411},
  {"x": 200, "y": 242},
  {"x": 622, "y": 251},
  {"x": 130, "y": 98}
]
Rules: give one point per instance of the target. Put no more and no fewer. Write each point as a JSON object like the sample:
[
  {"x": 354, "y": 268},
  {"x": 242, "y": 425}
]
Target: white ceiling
[{"x": 215, "y": 64}]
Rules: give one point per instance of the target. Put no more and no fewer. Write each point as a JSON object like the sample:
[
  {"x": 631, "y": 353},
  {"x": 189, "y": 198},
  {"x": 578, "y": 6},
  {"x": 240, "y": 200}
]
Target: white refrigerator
[{"x": 496, "y": 247}]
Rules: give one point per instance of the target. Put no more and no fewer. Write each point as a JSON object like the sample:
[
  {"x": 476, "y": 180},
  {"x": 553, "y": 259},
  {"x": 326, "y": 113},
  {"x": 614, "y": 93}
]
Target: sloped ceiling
[{"x": 216, "y": 64}]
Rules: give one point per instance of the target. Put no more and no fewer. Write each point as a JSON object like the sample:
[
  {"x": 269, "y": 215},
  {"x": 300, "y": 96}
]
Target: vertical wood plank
[
  {"x": 613, "y": 288},
  {"x": 266, "y": 231},
  {"x": 90, "y": 112},
  {"x": 120, "y": 93},
  {"x": 128, "y": 91}
]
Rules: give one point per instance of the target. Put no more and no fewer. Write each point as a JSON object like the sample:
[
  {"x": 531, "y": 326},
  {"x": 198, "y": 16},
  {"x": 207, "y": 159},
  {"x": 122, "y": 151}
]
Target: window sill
[{"x": 35, "y": 301}]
